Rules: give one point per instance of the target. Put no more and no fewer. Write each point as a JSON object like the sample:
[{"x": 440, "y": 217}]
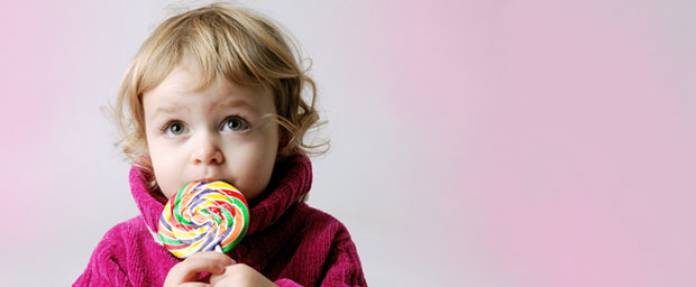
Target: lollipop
[{"x": 203, "y": 216}]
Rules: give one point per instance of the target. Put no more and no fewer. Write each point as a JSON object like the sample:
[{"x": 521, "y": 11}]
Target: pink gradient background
[{"x": 479, "y": 143}]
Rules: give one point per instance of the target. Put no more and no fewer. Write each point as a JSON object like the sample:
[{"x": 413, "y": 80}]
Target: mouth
[{"x": 211, "y": 179}]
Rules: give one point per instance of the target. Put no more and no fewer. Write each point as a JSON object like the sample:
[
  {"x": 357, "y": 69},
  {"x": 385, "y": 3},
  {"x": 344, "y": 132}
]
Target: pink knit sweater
[{"x": 288, "y": 241}]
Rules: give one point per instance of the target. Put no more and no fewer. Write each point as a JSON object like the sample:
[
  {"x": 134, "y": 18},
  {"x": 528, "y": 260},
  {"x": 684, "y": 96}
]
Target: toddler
[{"x": 215, "y": 94}]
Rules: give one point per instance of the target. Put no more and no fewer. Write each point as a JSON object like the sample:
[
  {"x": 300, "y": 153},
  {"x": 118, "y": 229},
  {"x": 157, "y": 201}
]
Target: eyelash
[{"x": 245, "y": 124}]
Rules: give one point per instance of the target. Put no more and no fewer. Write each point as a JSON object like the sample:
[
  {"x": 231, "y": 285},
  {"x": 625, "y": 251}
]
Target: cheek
[
  {"x": 251, "y": 164},
  {"x": 166, "y": 180},
  {"x": 254, "y": 167},
  {"x": 164, "y": 164}
]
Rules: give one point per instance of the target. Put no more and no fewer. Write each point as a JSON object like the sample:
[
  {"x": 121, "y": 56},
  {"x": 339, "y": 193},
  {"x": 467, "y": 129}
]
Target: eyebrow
[
  {"x": 174, "y": 107},
  {"x": 237, "y": 103},
  {"x": 169, "y": 109}
]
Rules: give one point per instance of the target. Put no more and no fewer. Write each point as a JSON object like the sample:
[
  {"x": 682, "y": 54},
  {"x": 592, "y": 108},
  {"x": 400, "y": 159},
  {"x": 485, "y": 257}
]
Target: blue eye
[
  {"x": 174, "y": 128},
  {"x": 235, "y": 123}
]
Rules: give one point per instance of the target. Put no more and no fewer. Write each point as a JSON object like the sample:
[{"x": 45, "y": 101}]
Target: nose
[{"x": 208, "y": 152}]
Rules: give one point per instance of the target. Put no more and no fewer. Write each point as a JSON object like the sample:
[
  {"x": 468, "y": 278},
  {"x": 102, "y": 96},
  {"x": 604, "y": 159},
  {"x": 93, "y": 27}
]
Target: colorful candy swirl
[{"x": 201, "y": 217}]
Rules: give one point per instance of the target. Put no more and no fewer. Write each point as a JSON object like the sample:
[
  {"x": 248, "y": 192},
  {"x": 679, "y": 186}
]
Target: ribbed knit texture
[{"x": 288, "y": 241}]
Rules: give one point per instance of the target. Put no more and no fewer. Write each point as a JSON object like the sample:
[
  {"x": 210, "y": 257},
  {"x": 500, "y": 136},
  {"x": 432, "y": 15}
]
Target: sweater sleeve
[
  {"x": 343, "y": 265},
  {"x": 103, "y": 268}
]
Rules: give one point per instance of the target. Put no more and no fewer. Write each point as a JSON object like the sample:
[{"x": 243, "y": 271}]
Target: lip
[{"x": 211, "y": 179}]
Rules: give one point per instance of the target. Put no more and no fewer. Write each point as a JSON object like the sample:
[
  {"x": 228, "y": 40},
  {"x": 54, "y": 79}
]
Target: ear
[{"x": 283, "y": 140}]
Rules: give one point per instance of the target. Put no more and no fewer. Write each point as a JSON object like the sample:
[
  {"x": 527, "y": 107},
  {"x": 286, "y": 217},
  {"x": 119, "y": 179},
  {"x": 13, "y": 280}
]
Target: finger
[
  {"x": 189, "y": 268},
  {"x": 214, "y": 255},
  {"x": 194, "y": 284},
  {"x": 215, "y": 278},
  {"x": 229, "y": 271}
]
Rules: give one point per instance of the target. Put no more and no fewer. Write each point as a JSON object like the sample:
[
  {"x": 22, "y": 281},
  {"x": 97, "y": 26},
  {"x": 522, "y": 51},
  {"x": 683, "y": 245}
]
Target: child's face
[{"x": 217, "y": 133}]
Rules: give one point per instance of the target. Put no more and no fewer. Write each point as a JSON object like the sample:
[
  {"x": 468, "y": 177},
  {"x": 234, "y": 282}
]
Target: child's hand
[
  {"x": 185, "y": 272},
  {"x": 241, "y": 275}
]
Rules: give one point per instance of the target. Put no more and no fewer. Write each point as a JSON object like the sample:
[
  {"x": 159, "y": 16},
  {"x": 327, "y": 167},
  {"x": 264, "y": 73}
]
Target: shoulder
[
  {"x": 107, "y": 265},
  {"x": 126, "y": 229},
  {"x": 118, "y": 238},
  {"x": 328, "y": 238},
  {"x": 318, "y": 223},
  {"x": 316, "y": 218}
]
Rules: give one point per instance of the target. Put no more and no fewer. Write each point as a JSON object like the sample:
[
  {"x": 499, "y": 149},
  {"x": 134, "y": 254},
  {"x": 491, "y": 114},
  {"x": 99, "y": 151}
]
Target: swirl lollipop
[{"x": 203, "y": 216}]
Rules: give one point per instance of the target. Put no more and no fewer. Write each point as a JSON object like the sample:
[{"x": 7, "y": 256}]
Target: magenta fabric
[{"x": 288, "y": 241}]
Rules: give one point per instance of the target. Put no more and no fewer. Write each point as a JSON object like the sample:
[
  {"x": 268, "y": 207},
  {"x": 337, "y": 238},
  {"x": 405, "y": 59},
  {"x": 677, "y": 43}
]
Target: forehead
[{"x": 183, "y": 85}]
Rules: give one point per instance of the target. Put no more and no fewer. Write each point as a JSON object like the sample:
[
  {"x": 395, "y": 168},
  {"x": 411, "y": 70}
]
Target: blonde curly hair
[{"x": 235, "y": 43}]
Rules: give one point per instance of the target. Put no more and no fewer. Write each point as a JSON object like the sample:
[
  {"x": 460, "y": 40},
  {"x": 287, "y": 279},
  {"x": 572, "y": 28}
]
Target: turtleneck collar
[{"x": 290, "y": 182}]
